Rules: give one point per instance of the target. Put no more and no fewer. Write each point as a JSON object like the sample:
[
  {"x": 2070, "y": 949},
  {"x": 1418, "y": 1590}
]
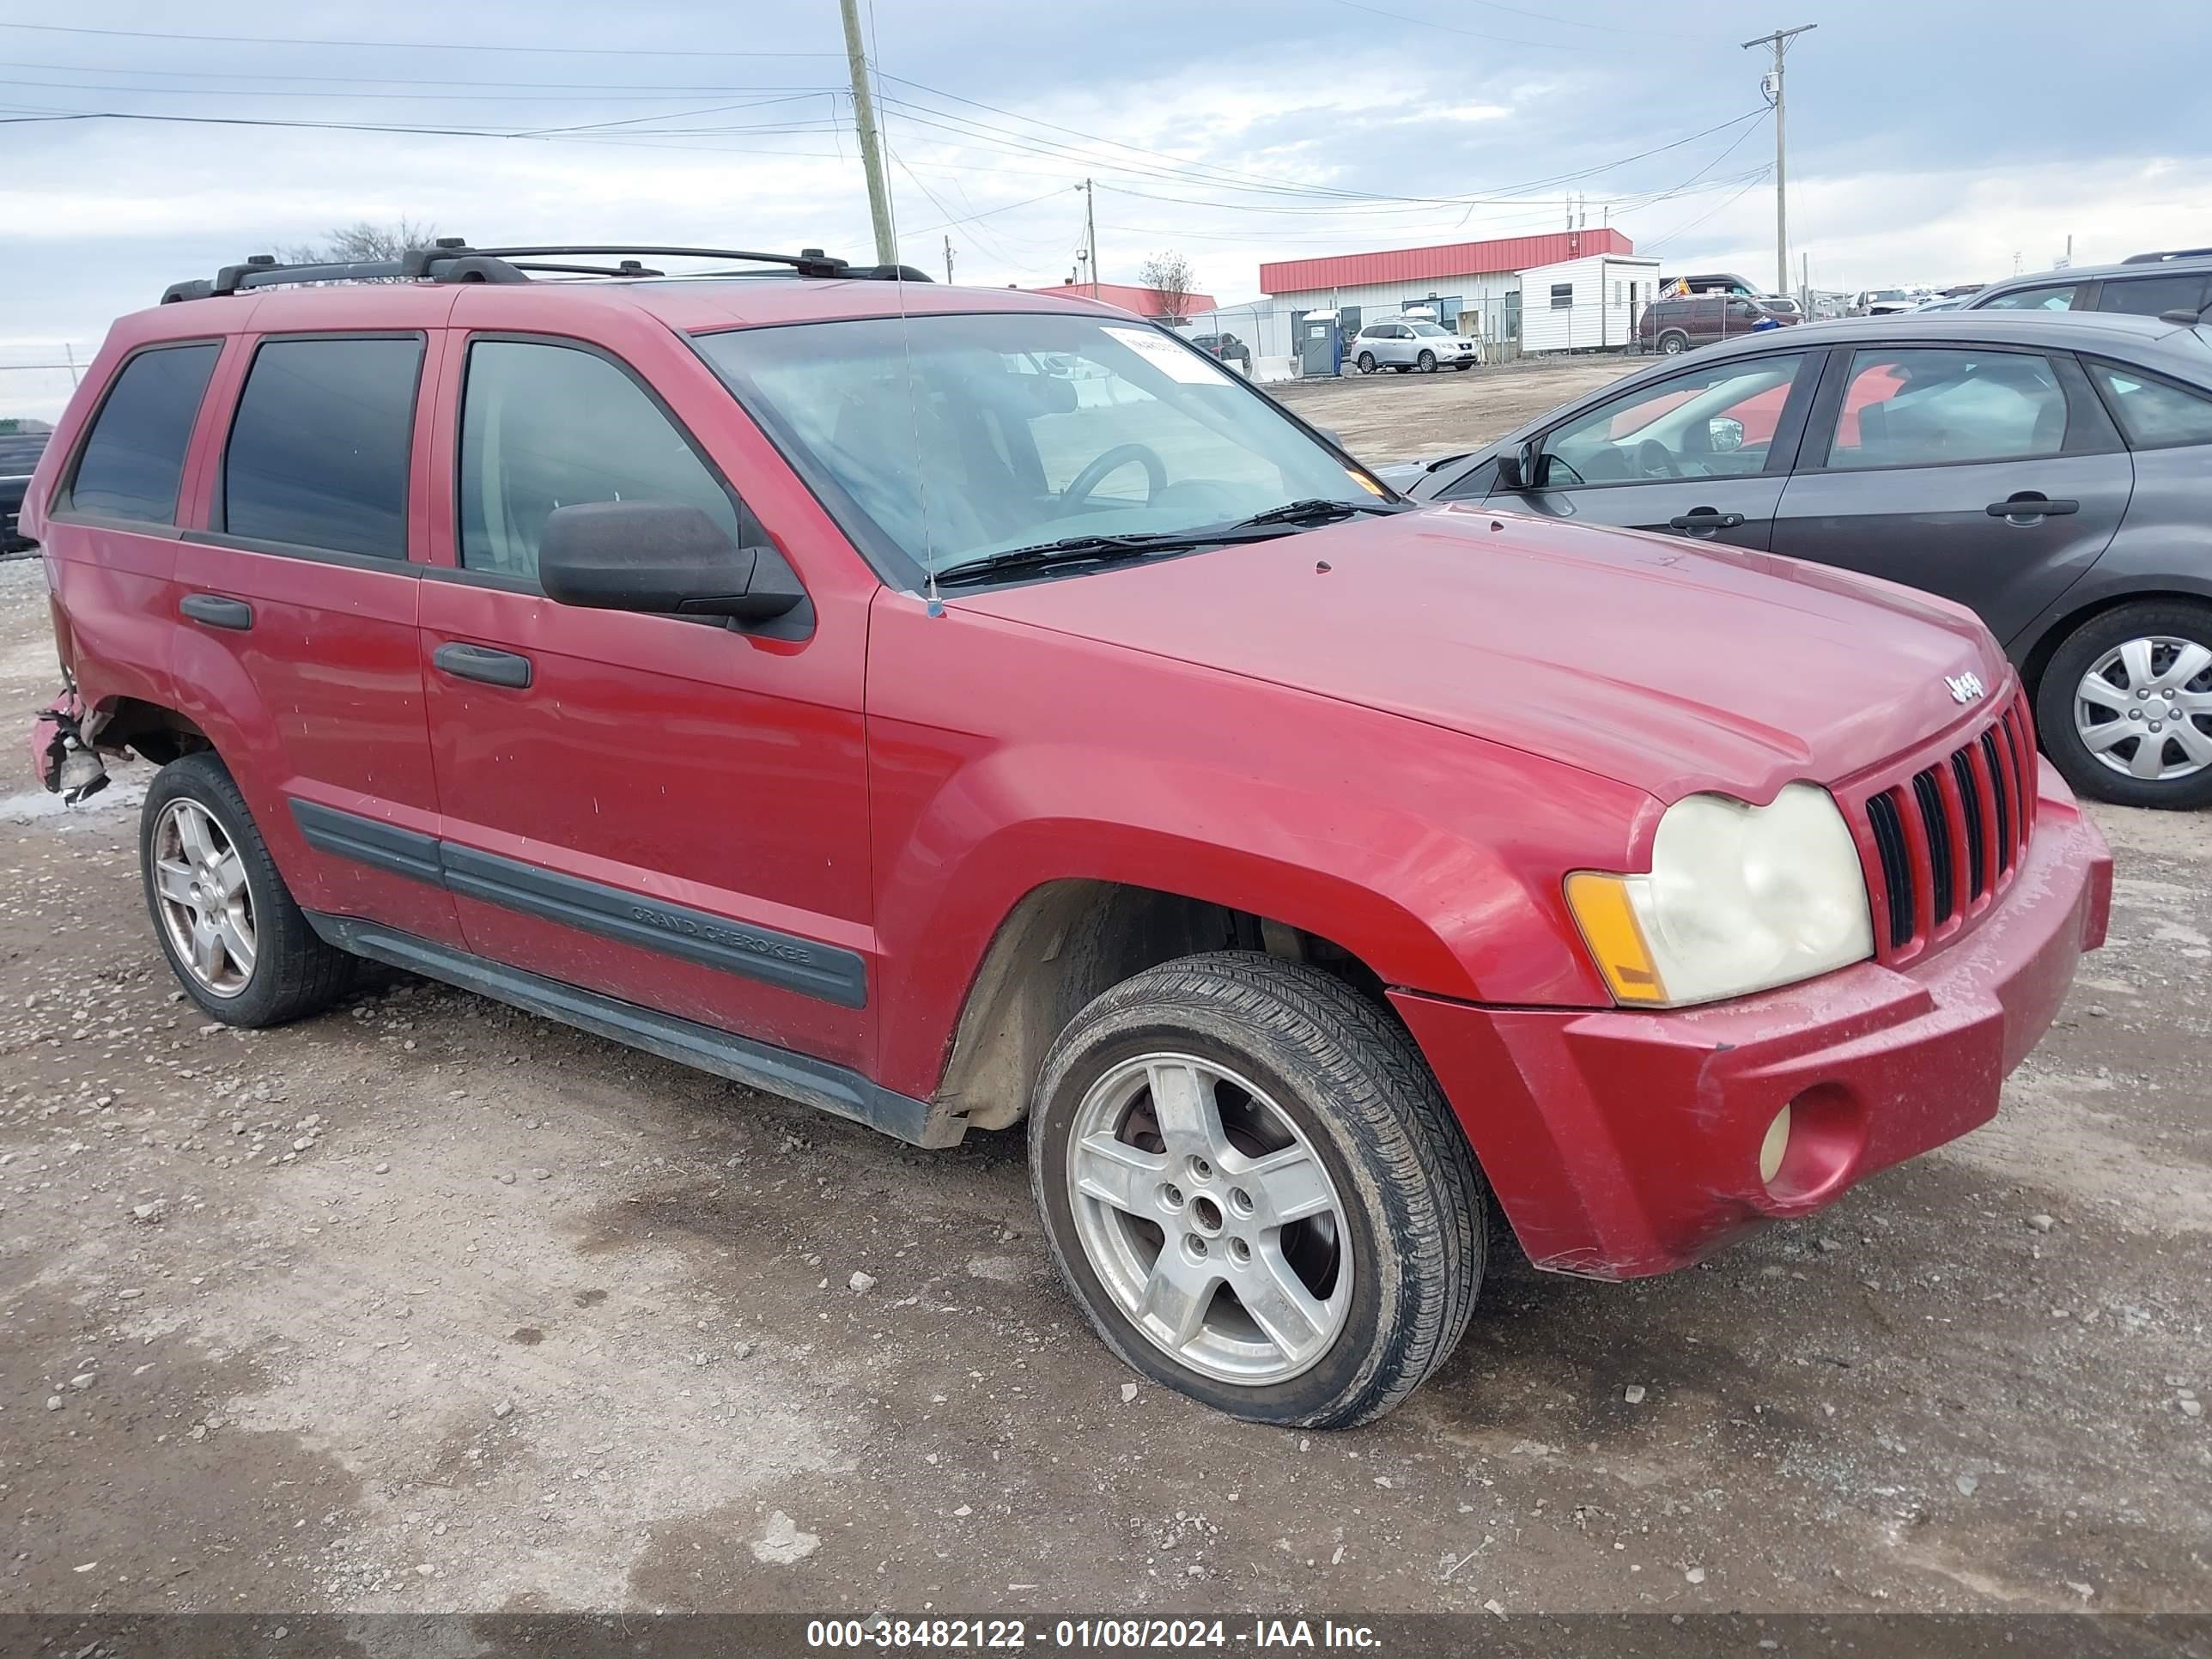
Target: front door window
[{"x": 1718, "y": 423}]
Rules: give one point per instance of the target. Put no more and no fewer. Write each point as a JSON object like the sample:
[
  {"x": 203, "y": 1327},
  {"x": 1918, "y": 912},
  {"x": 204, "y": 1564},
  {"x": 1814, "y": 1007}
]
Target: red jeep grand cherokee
[{"x": 948, "y": 706}]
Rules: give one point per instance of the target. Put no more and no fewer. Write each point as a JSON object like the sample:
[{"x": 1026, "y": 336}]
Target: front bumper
[{"x": 1622, "y": 1144}]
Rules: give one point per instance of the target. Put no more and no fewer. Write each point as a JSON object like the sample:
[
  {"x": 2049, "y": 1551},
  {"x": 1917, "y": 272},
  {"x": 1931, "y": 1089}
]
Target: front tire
[
  {"x": 1426, "y": 363},
  {"x": 234, "y": 937},
  {"x": 2124, "y": 708},
  {"x": 1255, "y": 1189}
]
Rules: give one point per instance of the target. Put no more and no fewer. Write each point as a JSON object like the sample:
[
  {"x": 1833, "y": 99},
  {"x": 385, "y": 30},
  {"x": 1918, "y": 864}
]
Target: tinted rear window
[
  {"x": 318, "y": 450},
  {"x": 135, "y": 458},
  {"x": 2147, "y": 297}
]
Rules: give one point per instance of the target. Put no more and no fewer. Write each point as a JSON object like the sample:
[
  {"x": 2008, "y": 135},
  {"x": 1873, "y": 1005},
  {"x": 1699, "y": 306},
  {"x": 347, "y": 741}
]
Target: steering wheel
[
  {"x": 1080, "y": 488},
  {"x": 1655, "y": 460}
]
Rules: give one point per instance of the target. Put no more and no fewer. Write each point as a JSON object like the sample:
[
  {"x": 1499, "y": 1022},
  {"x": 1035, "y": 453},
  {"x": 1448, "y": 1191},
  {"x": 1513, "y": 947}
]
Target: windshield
[
  {"x": 19, "y": 451},
  {"x": 1425, "y": 329},
  {"x": 954, "y": 437}
]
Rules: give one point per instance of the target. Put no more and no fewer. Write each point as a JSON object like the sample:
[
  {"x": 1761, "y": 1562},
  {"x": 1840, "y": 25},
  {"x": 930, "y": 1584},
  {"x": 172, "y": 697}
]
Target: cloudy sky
[{"x": 1932, "y": 142}]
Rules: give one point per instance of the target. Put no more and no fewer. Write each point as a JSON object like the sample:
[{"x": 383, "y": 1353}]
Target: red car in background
[{"x": 794, "y": 677}]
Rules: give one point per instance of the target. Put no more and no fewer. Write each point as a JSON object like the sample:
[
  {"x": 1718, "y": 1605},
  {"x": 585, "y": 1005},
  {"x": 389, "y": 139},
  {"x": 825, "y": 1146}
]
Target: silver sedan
[{"x": 1411, "y": 343}]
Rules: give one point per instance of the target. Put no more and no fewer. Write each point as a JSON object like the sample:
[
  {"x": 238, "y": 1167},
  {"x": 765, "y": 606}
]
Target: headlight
[{"x": 1740, "y": 899}]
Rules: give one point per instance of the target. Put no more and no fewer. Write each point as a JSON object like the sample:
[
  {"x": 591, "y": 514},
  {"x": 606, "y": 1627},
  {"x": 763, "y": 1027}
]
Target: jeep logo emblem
[{"x": 1965, "y": 688}]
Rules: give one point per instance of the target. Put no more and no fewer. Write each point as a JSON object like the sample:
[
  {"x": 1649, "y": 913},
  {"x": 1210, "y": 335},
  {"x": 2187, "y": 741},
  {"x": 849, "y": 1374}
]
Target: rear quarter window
[
  {"x": 2155, "y": 414},
  {"x": 134, "y": 458}
]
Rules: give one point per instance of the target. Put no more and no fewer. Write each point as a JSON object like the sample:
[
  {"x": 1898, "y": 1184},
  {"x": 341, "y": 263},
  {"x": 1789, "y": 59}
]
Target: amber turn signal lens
[{"x": 1615, "y": 938}]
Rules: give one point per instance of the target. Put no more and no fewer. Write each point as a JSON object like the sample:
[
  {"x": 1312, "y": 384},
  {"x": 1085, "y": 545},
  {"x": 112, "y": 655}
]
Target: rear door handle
[
  {"x": 218, "y": 610},
  {"x": 481, "y": 662},
  {"x": 1705, "y": 518},
  {"x": 2029, "y": 505}
]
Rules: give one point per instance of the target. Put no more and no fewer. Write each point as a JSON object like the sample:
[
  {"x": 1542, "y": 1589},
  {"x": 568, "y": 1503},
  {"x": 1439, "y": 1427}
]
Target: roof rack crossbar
[
  {"x": 2161, "y": 257},
  {"x": 453, "y": 260},
  {"x": 808, "y": 262}
]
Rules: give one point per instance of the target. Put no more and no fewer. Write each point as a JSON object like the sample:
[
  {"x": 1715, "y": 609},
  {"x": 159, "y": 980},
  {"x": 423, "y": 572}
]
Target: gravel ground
[
  {"x": 425, "y": 1305},
  {"x": 1388, "y": 416}
]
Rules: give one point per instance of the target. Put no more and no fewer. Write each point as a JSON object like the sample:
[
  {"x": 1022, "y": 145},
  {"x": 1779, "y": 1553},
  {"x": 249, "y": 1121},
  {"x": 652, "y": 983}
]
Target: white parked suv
[{"x": 1409, "y": 343}]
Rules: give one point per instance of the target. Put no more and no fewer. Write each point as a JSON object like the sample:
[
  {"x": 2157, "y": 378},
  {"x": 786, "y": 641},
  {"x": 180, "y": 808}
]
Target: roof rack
[
  {"x": 2170, "y": 253},
  {"x": 453, "y": 260}
]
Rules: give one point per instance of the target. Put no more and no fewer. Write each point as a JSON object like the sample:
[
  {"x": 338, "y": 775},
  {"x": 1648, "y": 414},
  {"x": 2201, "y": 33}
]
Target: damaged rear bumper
[
  {"x": 1621, "y": 1144},
  {"x": 62, "y": 759}
]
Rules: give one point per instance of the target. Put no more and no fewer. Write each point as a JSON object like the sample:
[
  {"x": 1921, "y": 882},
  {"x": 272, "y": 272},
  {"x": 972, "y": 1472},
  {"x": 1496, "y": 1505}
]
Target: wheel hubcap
[
  {"x": 199, "y": 882},
  {"x": 2144, "y": 708},
  {"x": 1210, "y": 1219}
]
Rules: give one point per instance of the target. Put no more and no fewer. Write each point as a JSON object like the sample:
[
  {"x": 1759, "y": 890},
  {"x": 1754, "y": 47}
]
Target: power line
[
  {"x": 406, "y": 79},
  {"x": 405, "y": 45},
  {"x": 1756, "y": 179},
  {"x": 412, "y": 97}
]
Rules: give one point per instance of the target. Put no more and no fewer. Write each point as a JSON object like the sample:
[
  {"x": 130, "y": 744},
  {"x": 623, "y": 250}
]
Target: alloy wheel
[
  {"x": 2144, "y": 708},
  {"x": 1210, "y": 1219},
  {"x": 206, "y": 906}
]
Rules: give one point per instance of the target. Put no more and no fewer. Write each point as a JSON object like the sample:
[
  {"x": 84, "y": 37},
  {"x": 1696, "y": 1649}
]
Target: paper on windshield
[{"x": 1165, "y": 354}]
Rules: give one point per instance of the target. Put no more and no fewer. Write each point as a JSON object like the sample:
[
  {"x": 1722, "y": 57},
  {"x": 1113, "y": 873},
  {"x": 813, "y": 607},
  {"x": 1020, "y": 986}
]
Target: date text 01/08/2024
[{"x": 896, "y": 1635}]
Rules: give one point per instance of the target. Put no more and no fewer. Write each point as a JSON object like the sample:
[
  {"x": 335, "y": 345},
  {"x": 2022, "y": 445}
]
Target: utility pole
[
  {"x": 1771, "y": 85},
  {"x": 864, "y": 121},
  {"x": 948, "y": 261},
  {"x": 1090, "y": 233}
]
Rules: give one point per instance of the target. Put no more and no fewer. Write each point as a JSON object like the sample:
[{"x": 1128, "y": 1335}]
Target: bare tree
[
  {"x": 362, "y": 243},
  {"x": 1172, "y": 281}
]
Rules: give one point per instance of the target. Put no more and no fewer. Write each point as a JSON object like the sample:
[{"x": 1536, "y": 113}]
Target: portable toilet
[{"x": 1317, "y": 344}]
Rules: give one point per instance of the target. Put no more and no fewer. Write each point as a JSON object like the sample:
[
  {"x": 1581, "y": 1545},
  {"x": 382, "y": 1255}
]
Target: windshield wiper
[
  {"x": 1320, "y": 510},
  {"x": 1097, "y": 549}
]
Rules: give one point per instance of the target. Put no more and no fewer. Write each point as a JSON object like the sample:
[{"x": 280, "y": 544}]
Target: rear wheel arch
[
  {"x": 157, "y": 733},
  {"x": 1066, "y": 942}
]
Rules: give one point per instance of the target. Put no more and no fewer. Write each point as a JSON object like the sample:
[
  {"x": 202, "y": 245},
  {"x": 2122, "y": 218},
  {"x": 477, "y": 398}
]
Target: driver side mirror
[
  {"x": 662, "y": 559},
  {"x": 1525, "y": 468},
  {"x": 1723, "y": 433}
]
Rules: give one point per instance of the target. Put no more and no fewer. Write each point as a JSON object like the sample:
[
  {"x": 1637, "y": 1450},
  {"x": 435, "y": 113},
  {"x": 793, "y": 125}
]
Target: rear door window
[
  {"x": 134, "y": 459},
  {"x": 2155, "y": 414},
  {"x": 1922, "y": 408},
  {"x": 318, "y": 449}
]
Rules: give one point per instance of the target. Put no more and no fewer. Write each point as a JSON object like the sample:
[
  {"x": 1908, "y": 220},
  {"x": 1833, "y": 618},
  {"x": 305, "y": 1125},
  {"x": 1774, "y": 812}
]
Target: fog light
[{"x": 1771, "y": 1149}]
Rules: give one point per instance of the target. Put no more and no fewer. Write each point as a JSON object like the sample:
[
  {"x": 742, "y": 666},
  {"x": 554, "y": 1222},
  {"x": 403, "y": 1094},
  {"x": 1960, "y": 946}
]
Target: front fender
[{"x": 1433, "y": 857}]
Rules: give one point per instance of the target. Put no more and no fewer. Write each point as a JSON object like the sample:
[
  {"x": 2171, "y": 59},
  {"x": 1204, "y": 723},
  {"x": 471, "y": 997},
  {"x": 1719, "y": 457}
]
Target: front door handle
[
  {"x": 2030, "y": 504},
  {"x": 1703, "y": 520},
  {"x": 218, "y": 610},
  {"x": 481, "y": 662}
]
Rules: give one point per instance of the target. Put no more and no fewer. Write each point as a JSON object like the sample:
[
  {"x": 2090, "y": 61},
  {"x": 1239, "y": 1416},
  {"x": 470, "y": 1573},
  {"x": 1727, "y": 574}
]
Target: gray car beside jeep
[{"x": 2050, "y": 472}]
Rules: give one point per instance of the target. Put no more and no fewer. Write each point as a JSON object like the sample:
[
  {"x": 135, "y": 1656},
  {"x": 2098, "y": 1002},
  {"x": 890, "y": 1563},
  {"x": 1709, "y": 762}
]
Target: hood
[{"x": 1670, "y": 666}]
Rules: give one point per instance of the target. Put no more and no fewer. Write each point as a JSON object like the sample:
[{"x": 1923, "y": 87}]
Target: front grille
[
  {"x": 1896, "y": 866},
  {"x": 1970, "y": 800},
  {"x": 1946, "y": 838}
]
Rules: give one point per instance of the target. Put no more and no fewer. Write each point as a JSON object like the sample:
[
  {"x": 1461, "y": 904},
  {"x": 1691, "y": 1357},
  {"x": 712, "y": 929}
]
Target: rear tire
[
  {"x": 233, "y": 936},
  {"x": 2096, "y": 728},
  {"x": 1184, "y": 1108},
  {"x": 1366, "y": 362},
  {"x": 1674, "y": 343}
]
